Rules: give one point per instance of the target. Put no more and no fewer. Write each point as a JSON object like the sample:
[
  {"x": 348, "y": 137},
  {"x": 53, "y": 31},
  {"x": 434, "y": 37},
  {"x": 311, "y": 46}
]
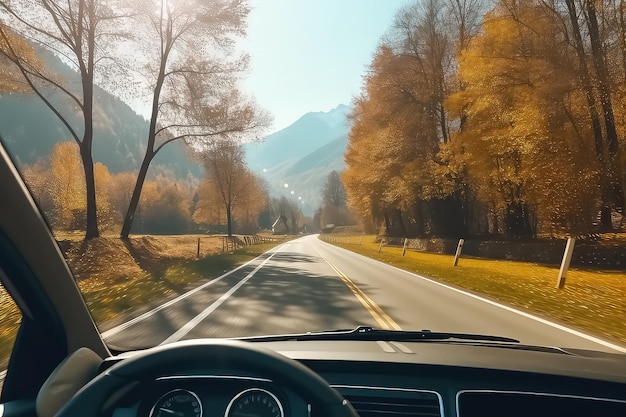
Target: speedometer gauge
[
  {"x": 255, "y": 402},
  {"x": 177, "y": 403}
]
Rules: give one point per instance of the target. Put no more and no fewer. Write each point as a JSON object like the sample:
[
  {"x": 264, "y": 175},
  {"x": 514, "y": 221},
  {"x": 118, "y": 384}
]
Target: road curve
[{"x": 308, "y": 285}]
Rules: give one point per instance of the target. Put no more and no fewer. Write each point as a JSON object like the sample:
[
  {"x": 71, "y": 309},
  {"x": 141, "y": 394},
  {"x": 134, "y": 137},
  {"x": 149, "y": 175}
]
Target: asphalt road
[{"x": 308, "y": 285}]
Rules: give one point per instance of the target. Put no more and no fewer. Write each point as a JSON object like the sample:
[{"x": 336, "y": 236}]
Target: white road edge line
[
  {"x": 178, "y": 334},
  {"x": 502, "y": 306},
  {"x": 115, "y": 330}
]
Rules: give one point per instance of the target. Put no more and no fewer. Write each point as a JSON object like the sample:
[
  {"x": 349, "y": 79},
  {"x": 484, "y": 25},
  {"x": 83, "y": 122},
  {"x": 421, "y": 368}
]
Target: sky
[{"x": 311, "y": 55}]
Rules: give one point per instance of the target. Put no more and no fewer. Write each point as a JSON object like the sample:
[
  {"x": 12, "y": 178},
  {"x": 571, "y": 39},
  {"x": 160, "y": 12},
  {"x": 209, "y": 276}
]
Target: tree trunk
[
  {"x": 91, "y": 226},
  {"x": 134, "y": 200},
  {"x": 420, "y": 227},
  {"x": 599, "y": 59},
  {"x": 150, "y": 153},
  {"x": 229, "y": 220}
]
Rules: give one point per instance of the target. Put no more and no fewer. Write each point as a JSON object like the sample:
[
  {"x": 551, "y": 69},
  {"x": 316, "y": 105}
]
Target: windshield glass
[{"x": 241, "y": 168}]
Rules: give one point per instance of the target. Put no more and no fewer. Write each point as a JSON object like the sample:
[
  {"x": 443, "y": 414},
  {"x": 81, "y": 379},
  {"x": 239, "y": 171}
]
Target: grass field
[
  {"x": 592, "y": 300},
  {"x": 116, "y": 276}
]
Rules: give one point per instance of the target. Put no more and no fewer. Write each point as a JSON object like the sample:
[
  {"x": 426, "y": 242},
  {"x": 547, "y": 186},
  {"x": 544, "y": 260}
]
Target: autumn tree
[
  {"x": 104, "y": 183},
  {"x": 12, "y": 48},
  {"x": 210, "y": 207},
  {"x": 590, "y": 43},
  {"x": 67, "y": 186},
  {"x": 120, "y": 192},
  {"x": 37, "y": 177},
  {"x": 399, "y": 173},
  {"x": 165, "y": 206},
  {"x": 528, "y": 141},
  {"x": 247, "y": 210},
  {"x": 393, "y": 144},
  {"x": 192, "y": 78},
  {"x": 229, "y": 179},
  {"x": 79, "y": 31}
]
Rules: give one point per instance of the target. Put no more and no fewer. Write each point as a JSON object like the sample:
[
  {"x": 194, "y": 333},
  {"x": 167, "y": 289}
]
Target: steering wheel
[{"x": 202, "y": 354}]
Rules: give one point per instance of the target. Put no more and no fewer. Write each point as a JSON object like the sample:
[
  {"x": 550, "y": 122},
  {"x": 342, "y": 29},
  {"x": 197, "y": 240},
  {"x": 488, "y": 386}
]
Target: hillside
[{"x": 30, "y": 130}]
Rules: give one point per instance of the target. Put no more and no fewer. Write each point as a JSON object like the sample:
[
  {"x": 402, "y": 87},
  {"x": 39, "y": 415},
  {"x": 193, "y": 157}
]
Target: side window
[{"x": 10, "y": 318}]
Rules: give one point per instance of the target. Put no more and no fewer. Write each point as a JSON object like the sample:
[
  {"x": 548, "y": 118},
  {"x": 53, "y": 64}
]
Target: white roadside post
[
  {"x": 404, "y": 246},
  {"x": 381, "y": 244},
  {"x": 457, "y": 255},
  {"x": 567, "y": 258}
]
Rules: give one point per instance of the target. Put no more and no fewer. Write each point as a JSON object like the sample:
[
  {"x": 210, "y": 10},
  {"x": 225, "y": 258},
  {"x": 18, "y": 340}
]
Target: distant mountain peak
[
  {"x": 340, "y": 108},
  {"x": 337, "y": 115}
]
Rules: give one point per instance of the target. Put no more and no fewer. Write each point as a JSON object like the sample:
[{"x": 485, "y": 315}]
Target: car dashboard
[{"x": 421, "y": 379}]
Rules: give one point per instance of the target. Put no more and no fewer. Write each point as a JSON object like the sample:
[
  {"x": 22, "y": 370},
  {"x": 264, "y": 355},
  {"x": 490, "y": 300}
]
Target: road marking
[
  {"x": 178, "y": 334},
  {"x": 115, "y": 330},
  {"x": 382, "y": 318},
  {"x": 586, "y": 336}
]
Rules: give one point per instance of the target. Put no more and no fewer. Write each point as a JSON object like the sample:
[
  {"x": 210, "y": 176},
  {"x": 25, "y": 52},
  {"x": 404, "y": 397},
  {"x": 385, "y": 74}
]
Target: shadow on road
[
  {"x": 292, "y": 293},
  {"x": 294, "y": 257},
  {"x": 286, "y": 297}
]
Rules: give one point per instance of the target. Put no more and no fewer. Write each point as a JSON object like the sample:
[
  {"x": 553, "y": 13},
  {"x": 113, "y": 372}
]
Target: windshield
[{"x": 242, "y": 168}]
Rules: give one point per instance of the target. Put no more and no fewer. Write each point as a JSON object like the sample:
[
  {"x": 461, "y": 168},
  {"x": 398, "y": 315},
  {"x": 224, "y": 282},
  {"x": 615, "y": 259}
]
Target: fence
[
  {"x": 230, "y": 243},
  {"x": 547, "y": 251}
]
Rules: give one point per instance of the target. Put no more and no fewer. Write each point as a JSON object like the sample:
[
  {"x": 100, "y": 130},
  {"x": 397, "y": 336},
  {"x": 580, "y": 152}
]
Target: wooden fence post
[
  {"x": 567, "y": 258},
  {"x": 457, "y": 255}
]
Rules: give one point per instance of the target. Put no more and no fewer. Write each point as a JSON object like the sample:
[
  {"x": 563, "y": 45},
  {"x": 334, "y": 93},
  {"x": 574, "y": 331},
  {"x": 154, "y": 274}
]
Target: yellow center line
[{"x": 382, "y": 318}]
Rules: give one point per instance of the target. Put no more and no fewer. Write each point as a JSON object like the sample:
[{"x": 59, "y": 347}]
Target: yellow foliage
[
  {"x": 246, "y": 204},
  {"x": 526, "y": 139},
  {"x": 67, "y": 185},
  {"x": 120, "y": 192},
  {"x": 210, "y": 207},
  {"x": 102, "y": 177},
  {"x": 13, "y": 47}
]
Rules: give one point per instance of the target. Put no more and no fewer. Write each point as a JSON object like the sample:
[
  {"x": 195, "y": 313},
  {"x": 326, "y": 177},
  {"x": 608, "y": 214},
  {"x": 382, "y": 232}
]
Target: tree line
[
  {"x": 167, "y": 205},
  {"x": 177, "y": 58},
  {"x": 505, "y": 118}
]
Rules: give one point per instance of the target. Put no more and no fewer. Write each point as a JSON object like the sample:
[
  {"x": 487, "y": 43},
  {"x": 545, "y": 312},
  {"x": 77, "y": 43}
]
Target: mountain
[
  {"x": 30, "y": 129},
  {"x": 302, "y": 155}
]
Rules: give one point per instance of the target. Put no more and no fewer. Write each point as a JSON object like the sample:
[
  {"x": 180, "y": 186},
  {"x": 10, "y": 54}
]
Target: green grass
[{"x": 592, "y": 300}]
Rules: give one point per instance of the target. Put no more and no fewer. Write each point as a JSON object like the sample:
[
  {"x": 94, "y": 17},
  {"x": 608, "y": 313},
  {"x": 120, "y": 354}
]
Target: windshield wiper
[{"x": 370, "y": 333}]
